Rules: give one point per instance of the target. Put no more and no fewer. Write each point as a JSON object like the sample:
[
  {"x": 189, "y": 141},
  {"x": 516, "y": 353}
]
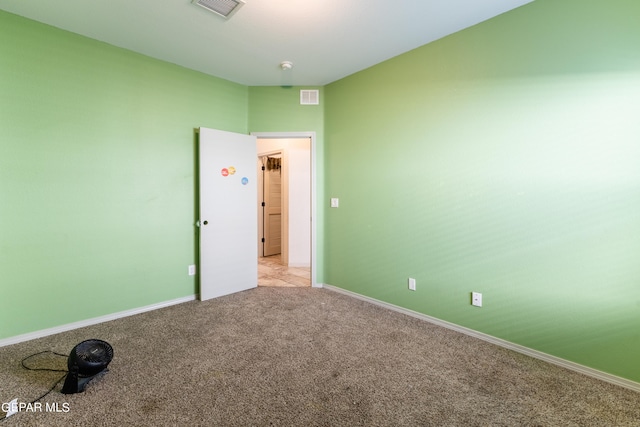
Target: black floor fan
[{"x": 87, "y": 360}]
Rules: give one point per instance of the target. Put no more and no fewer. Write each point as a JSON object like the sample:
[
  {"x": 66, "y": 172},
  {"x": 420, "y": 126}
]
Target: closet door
[{"x": 272, "y": 211}]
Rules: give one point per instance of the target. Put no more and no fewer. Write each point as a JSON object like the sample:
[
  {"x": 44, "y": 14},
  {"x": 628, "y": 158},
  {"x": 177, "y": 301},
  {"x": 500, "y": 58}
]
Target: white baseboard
[
  {"x": 88, "y": 322},
  {"x": 585, "y": 370},
  {"x": 299, "y": 265}
]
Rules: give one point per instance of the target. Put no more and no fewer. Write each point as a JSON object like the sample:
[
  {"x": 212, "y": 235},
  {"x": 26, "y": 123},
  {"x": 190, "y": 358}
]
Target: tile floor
[{"x": 271, "y": 272}]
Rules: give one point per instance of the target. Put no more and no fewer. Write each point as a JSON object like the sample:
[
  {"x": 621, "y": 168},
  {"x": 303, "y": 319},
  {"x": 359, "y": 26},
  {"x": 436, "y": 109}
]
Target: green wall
[
  {"x": 504, "y": 159},
  {"x": 97, "y": 185},
  {"x": 278, "y": 109}
]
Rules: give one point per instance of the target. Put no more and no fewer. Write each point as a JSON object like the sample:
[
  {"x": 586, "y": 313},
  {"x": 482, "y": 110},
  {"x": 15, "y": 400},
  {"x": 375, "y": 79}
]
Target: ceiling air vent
[
  {"x": 309, "y": 97},
  {"x": 224, "y": 8}
]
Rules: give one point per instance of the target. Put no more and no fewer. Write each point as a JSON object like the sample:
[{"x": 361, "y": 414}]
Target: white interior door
[{"x": 228, "y": 217}]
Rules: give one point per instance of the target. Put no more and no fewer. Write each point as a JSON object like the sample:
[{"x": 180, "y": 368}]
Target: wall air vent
[
  {"x": 224, "y": 8},
  {"x": 309, "y": 97}
]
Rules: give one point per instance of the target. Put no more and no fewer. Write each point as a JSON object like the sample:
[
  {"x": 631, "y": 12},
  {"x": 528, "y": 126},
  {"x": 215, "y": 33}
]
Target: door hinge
[
  {"x": 263, "y": 168},
  {"x": 262, "y": 240},
  {"x": 264, "y": 204}
]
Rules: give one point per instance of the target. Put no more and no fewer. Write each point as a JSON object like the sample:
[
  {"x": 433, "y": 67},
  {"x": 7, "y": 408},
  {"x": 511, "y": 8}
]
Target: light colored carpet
[{"x": 305, "y": 357}]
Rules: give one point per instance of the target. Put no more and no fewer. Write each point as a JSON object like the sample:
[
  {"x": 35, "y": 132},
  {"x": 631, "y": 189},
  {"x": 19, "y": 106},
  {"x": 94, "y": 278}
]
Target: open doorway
[{"x": 286, "y": 235}]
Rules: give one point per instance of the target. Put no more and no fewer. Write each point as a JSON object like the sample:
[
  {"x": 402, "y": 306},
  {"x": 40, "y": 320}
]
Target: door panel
[
  {"x": 228, "y": 218},
  {"x": 273, "y": 212}
]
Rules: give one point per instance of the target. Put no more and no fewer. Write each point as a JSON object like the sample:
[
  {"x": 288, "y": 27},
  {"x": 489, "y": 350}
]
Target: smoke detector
[
  {"x": 224, "y": 8},
  {"x": 286, "y": 65}
]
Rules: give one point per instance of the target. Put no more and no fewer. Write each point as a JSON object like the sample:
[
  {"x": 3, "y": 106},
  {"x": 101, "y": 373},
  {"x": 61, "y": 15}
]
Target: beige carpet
[{"x": 304, "y": 357}]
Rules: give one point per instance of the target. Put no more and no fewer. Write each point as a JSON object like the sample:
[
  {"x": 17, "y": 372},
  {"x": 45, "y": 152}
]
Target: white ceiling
[{"x": 325, "y": 39}]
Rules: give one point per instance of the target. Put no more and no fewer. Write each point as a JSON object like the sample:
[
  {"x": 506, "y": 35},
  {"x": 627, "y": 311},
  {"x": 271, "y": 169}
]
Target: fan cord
[
  {"x": 22, "y": 362},
  {"x": 43, "y": 369}
]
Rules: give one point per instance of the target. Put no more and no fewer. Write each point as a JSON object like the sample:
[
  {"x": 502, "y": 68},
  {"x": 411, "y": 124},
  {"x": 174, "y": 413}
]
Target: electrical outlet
[
  {"x": 476, "y": 299},
  {"x": 412, "y": 284},
  {"x": 192, "y": 270}
]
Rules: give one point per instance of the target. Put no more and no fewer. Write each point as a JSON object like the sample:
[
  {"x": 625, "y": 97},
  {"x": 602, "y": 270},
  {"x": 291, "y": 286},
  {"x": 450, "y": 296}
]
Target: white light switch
[{"x": 335, "y": 202}]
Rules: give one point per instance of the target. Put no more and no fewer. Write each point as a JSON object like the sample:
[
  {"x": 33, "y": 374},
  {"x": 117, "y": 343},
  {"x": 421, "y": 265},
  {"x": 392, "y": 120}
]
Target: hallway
[{"x": 271, "y": 272}]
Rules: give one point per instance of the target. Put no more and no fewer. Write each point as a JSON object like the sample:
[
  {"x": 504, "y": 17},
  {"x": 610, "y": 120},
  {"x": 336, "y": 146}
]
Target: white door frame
[{"x": 312, "y": 137}]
